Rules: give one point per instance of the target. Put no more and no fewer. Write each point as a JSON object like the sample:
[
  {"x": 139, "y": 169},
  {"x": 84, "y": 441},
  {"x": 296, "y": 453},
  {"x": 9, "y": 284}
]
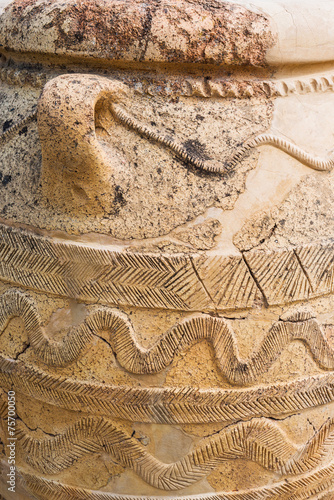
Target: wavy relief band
[
  {"x": 314, "y": 162},
  {"x": 14, "y": 129},
  {"x": 258, "y": 440},
  {"x": 169, "y": 405},
  {"x": 136, "y": 359},
  {"x": 14, "y": 303},
  {"x": 303, "y": 488},
  {"x": 181, "y": 151}
]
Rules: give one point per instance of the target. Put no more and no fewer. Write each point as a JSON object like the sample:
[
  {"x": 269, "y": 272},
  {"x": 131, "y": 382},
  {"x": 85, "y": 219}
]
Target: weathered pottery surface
[{"x": 167, "y": 249}]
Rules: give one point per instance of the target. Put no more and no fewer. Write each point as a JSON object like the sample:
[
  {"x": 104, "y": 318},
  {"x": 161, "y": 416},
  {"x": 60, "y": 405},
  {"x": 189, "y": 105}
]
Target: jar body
[{"x": 166, "y": 277}]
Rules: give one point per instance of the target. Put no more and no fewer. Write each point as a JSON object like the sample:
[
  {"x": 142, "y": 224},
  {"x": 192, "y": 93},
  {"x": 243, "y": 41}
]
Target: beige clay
[{"x": 166, "y": 250}]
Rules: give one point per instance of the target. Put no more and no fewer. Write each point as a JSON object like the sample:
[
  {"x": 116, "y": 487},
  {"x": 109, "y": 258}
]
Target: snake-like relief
[
  {"x": 209, "y": 165},
  {"x": 258, "y": 440},
  {"x": 314, "y": 162},
  {"x": 172, "y": 144},
  {"x": 136, "y": 359},
  {"x": 14, "y": 129}
]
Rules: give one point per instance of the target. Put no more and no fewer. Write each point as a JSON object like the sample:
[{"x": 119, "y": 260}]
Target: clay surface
[
  {"x": 184, "y": 31},
  {"x": 166, "y": 250}
]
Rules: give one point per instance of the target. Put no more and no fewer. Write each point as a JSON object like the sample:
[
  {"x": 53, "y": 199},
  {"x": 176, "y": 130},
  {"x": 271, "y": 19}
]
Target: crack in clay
[
  {"x": 36, "y": 429},
  {"x": 257, "y": 284},
  {"x": 24, "y": 349},
  {"x": 263, "y": 240},
  {"x": 304, "y": 270},
  {"x": 202, "y": 283},
  {"x": 148, "y": 27}
]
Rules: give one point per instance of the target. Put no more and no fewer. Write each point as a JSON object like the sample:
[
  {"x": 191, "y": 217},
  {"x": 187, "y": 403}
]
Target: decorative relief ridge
[
  {"x": 84, "y": 272},
  {"x": 11, "y": 132},
  {"x": 321, "y": 164},
  {"x": 258, "y": 440},
  {"x": 198, "y": 87},
  {"x": 305, "y": 85},
  {"x": 302, "y": 488},
  {"x": 170, "y": 404},
  {"x": 176, "y": 147},
  {"x": 241, "y": 89},
  {"x": 135, "y": 359},
  {"x": 285, "y": 145},
  {"x": 166, "y": 281},
  {"x": 314, "y": 162}
]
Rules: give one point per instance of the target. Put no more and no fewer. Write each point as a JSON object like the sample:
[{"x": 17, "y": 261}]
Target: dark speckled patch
[{"x": 205, "y": 31}]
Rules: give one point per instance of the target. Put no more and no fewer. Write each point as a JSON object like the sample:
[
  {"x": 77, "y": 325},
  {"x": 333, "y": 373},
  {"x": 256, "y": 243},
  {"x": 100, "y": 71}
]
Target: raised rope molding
[
  {"x": 201, "y": 87},
  {"x": 135, "y": 359},
  {"x": 168, "y": 404}
]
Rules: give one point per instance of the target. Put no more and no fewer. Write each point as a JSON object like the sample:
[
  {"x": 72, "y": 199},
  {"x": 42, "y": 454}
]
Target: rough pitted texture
[
  {"x": 109, "y": 179},
  {"x": 315, "y": 200},
  {"x": 166, "y": 253},
  {"x": 205, "y": 31}
]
